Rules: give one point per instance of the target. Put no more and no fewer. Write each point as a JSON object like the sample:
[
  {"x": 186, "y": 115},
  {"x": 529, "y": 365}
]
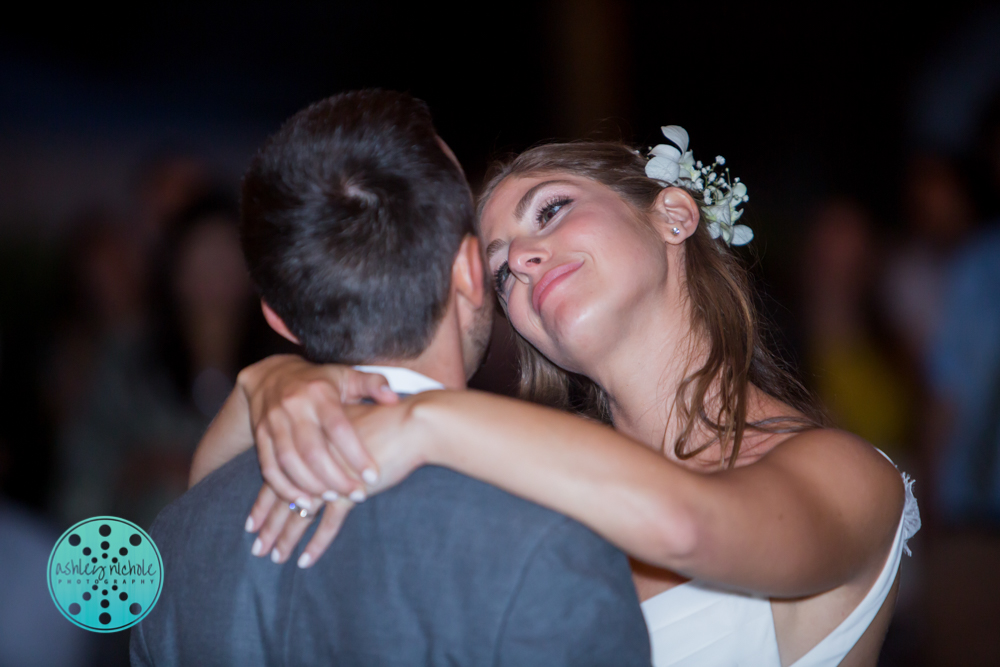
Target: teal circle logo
[{"x": 105, "y": 574}]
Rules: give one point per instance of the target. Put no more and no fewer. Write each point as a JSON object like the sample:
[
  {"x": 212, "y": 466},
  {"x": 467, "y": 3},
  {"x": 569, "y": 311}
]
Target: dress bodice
[{"x": 696, "y": 624}]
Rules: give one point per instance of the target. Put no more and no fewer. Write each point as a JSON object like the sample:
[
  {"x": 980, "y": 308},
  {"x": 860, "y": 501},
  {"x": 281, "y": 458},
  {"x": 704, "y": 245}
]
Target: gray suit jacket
[{"x": 440, "y": 570}]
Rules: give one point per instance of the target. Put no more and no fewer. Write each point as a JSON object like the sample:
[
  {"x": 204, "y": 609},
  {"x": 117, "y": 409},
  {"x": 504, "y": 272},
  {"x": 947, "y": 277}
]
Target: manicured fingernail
[
  {"x": 304, "y": 502},
  {"x": 275, "y": 556},
  {"x": 257, "y": 547},
  {"x": 358, "y": 496},
  {"x": 304, "y": 560},
  {"x": 330, "y": 496},
  {"x": 249, "y": 525},
  {"x": 370, "y": 475}
]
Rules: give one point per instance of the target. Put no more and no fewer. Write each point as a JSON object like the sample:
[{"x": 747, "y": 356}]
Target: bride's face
[{"x": 575, "y": 265}]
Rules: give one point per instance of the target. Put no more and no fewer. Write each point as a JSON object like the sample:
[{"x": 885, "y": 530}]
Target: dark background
[{"x": 825, "y": 102}]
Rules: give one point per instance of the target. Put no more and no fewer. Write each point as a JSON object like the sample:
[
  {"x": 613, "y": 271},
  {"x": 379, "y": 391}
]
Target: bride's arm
[
  {"x": 227, "y": 436},
  {"x": 816, "y": 511}
]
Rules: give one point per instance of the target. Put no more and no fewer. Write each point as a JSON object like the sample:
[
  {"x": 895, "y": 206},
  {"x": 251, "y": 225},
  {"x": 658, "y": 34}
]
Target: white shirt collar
[{"x": 403, "y": 380}]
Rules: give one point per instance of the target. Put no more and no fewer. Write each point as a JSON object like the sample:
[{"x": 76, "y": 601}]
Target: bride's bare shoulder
[{"x": 847, "y": 470}]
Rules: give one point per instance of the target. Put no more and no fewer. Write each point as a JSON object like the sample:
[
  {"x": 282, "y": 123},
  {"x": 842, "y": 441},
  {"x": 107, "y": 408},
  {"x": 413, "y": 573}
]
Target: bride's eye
[
  {"x": 500, "y": 277},
  {"x": 549, "y": 210}
]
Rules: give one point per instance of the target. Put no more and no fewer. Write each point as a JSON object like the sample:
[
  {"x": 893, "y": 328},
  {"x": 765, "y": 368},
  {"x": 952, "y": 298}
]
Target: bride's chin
[{"x": 574, "y": 342}]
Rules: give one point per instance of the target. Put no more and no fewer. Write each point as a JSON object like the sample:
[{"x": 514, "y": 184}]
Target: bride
[{"x": 758, "y": 535}]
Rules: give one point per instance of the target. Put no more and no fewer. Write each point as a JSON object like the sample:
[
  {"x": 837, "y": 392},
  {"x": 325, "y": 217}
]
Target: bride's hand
[
  {"x": 396, "y": 448},
  {"x": 306, "y": 445}
]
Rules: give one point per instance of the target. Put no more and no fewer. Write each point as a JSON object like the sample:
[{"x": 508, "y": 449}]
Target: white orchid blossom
[
  {"x": 674, "y": 164},
  {"x": 665, "y": 164},
  {"x": 677, "y": 135}
]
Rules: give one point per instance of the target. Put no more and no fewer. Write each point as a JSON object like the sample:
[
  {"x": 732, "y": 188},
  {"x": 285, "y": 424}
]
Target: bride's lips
[{"x": 552, "y": 278}]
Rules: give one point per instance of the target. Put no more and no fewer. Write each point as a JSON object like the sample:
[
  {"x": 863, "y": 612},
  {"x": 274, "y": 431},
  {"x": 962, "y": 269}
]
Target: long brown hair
[{"x": 722, "y": 306}]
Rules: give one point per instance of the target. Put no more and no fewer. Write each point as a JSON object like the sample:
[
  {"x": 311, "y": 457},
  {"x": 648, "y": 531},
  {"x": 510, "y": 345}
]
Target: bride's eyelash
[
  {"x": 548, "y": 210},
  {"x": 500, "y": 277}
]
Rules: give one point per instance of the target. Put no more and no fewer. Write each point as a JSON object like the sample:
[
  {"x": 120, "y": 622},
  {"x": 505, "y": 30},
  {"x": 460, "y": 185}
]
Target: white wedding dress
[{"x": 693, "y": 625}]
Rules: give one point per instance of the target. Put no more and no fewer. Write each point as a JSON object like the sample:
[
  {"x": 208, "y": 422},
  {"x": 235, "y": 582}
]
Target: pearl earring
[{"x": 675, "y": 231}]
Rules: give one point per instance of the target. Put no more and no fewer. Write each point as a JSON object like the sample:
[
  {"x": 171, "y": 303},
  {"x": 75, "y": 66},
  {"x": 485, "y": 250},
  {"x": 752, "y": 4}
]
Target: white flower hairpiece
[{"x": 674, "y": 164}]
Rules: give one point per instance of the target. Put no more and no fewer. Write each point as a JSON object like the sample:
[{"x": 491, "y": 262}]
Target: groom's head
[{"x": 357, "y": 226}]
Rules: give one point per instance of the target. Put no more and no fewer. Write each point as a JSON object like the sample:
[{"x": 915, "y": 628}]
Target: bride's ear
[{"x": 675, "y": 214}]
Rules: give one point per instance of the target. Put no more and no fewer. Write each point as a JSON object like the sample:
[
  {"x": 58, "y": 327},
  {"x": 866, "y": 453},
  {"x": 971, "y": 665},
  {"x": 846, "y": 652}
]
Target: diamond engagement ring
[{"x": 301, "y": 511}]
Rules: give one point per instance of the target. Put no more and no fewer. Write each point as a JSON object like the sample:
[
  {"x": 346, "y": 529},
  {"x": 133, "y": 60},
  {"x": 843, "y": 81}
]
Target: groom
[{"x": 358, "y": 229}]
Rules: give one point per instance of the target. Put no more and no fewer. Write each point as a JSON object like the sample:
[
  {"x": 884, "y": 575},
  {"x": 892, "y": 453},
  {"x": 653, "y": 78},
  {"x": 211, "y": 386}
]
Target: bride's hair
[{"x": 722, "y": 307}]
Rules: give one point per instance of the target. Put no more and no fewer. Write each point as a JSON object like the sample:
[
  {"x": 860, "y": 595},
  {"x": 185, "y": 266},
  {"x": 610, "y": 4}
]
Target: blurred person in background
[
  {"x": 964, "y": 365},
  {"x": 962, "y": 435},
  {"x": 204, "y": 303},
  {"x": 963, "y": 361},
  {"x": 939, "y": 214},
  {"x": 849, "y": 359},
  {"x": 107, "y": 393}
]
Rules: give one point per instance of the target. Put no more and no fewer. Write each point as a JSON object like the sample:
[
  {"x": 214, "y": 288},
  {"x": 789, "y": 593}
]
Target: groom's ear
[
  {"x": 467, "y": 276},
  {"x": 275, "y": 322}
]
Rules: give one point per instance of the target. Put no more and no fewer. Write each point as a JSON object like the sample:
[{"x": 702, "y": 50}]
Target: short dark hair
[{"x": 351, "y": 217}]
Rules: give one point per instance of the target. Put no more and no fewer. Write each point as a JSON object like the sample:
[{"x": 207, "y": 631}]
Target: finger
[
  {"x": 272, "y": 472},
  {"x": 329, "y": 525},
  {"x": 341, "y": 435},
  {"x": 290, "y": 460},
  {"x": 266, "y": 500},
  {"x": 273, "y": 525},
  {"x": 290, "y": 535},
  {"x": 377, "y": 388},
  {"x": 334, "y": 473},
  {"x": 359, "y": 385}
]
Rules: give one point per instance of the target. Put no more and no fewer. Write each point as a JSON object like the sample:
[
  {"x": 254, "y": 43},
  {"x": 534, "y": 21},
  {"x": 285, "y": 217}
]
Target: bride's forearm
[{"x": 622, "y": 490}]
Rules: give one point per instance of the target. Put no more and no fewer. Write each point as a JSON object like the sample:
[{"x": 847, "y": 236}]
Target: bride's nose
[{"x": 526, "y": 255}]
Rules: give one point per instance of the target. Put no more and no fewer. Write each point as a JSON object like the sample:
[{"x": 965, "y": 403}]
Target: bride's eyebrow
[{"x": 494, "y": 247}]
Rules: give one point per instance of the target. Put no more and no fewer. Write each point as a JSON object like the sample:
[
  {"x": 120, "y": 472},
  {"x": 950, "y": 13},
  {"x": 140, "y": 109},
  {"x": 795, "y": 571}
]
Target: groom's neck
[{"x": 442, "y": 360}]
